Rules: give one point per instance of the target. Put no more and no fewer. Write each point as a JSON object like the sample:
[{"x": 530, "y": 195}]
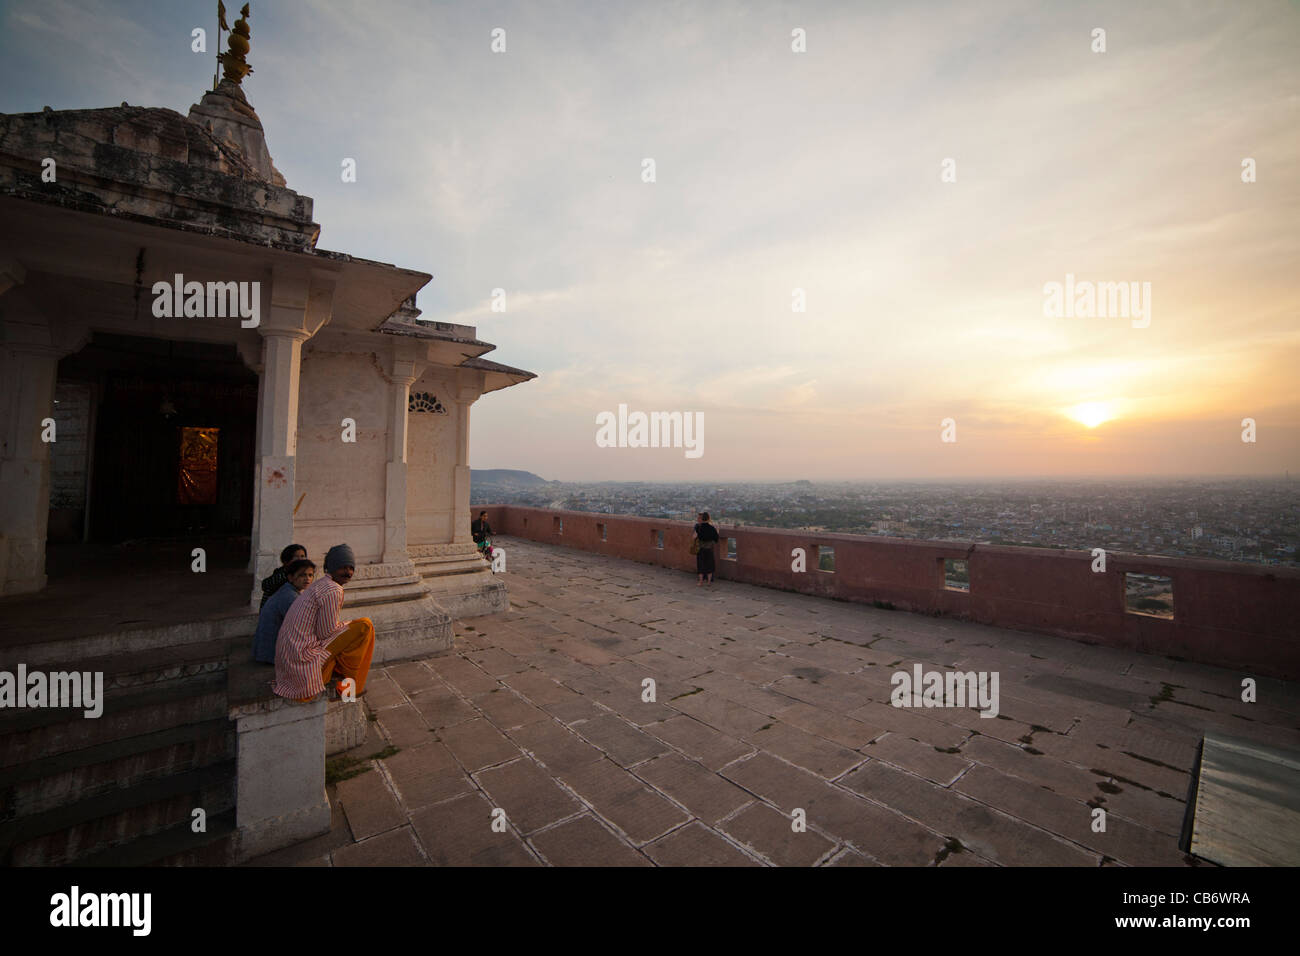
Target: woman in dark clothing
[{"x": 707, "y": 535}]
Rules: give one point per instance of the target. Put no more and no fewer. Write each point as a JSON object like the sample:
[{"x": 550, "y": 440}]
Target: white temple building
[{"x": 184, "y": 373}]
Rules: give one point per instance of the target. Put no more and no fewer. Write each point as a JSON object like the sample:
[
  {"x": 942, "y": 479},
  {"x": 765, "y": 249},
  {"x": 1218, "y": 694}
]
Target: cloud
[{"x": 780, "y": 171}]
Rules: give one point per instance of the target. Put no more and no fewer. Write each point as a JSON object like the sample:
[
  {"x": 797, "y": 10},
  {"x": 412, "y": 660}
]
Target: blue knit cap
[{"x": 339, "y": 556}]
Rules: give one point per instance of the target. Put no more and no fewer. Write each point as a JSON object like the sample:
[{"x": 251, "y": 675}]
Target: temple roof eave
[{"x": 497, "y": 376}]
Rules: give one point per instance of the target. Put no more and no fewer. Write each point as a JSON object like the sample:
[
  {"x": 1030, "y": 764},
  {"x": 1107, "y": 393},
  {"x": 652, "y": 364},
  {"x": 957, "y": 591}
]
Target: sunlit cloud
[{"x": 777, "y": 172}]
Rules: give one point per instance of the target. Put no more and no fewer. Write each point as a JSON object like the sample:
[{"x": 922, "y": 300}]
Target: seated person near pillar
[
  {"x": 273, "y": 611},
  {"x": 480, "y": 529},
  {"x": 276, "y": 579},
  {"x": 313, "y": 641}
]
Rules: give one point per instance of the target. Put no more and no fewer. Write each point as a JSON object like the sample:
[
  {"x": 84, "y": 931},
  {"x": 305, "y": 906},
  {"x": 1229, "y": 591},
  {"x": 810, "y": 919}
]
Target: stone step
[
  {"x": 130, "y": 669},
  {"x": 40, "y": 785},
  {"x": 68, "y": 833},
  {"x": 54, "y": 655},
  {"x": 129, "y": 712},
  {"x": 176, "y": 846},
  {"x": 126, "y": 670}
]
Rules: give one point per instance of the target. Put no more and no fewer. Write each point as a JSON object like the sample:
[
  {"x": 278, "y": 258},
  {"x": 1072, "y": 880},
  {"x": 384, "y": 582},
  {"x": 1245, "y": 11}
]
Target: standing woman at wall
[{"x": 706, "y": 536}]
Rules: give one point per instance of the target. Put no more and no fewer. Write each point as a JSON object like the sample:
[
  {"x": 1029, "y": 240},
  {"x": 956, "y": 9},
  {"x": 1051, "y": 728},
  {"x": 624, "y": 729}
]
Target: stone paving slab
[
  {"x": 1042, "y": 768},
  {"x": 1041, "y": 718},
  {"x": 696, "y": 845},
  {"x": 528, "y": 794},
  {"x": 641, "y": 713},
  {"x": 706, "y": 795},
  {"x": 1072, "y": 819},
  {"x": 1143, "y": 806},
  {"x": 571, "y": 711},
  {"x": 555, "y": 746},
  {"x": 621, "y": 742},
  {"x": 404, "y": 726},
  {"x": 624, "y": 800},
  {"x": 921, "y": 759},
  {"x": 770, "y": 833},
  {"x": 969, "y": 719},
  {"x": 582, "y": 841},
  {"x": 711, "y": 748},
  {"x": 477, "y": 744},
  {"x": 394, "y": 848},
  {"x": 767, "y": 701},
  {"x": 496, "y": 663},
  {"x": 506, "y": 709},
  {"x": 996, "y": 836},
  {"x": 759, "y": 670},
  {"x": 758, "y": 699},
  {"x": 887, "y": 836},
  {"x": 911, "y": 723},
  {"x": 845, "y": 731},
  {"x": 463, "y": 676},
  {"x": 853, "y": 858},
  {"x": 442, "y": 708},
  {"x": 540, "y": 688},
  {"x": 1144, "y": 771},
  {"x": 369, "y": 805},
  {"x": 426, "y": 775},
  {"x": 458, "y": 832},
  {"x": 411, "y": 676},
  {"x": 721, "y": 714},
  {"x": 805, "y": 750},
  {"x": 381, "y": 691},
  {"x": 964, "y": 858}
]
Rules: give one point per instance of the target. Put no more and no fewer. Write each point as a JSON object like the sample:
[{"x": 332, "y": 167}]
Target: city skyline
[
  {"x": 1231, "y": 519},
  {"x": 908, "y": 479},
  {"x": 917, "y": 191}
]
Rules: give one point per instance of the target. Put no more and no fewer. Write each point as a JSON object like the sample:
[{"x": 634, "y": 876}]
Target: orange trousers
[{"x": 350, "y": 653}]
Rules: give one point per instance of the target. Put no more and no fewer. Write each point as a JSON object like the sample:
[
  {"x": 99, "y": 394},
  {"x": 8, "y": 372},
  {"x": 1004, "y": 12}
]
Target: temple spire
[
  {"x": 236, "y": 67},
  {"x": 225, "y": 111}
]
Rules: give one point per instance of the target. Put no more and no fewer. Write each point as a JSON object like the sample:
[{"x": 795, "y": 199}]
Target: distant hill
[{"x": 504, "y": 476}]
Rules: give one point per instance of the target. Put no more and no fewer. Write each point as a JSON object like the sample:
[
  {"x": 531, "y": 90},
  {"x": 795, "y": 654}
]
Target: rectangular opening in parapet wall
[
  {"x": 600, "y": 529},
  {"x": 731, "y": 549},
  {"x": 825, "y": 558},
  {"x": 1151, "y": 595},
  {"x": 956, "y": 574},
  {"x": 657, "y": 538},
  {"x": 557, "y": 525}
]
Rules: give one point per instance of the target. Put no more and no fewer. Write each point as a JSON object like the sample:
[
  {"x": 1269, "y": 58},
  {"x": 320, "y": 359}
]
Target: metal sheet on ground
[{"x": 1247, "y": 804}]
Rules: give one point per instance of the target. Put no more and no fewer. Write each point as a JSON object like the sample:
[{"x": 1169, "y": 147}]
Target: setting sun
[{"x": 1091, "y": 414}]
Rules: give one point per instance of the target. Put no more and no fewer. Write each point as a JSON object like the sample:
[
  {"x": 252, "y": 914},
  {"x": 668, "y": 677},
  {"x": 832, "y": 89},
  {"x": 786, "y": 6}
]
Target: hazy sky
[{"x": 777, "y": 171}]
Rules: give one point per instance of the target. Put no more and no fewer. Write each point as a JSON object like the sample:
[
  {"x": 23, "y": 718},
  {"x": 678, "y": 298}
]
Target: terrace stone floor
[{"x": 766, "y": 702}]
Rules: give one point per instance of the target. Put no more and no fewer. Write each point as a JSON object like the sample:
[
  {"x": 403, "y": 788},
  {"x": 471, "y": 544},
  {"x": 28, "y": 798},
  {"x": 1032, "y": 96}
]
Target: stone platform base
[
  {"x": 412, "y": 603},
  {"x": 472, "y": 594},
  {"x": 281, "y": 773},
  {"x": 345, "y": 725},
  {"x": 407, "y": 629},
  {"x": 276, "y": 833},
  {"x": 460, "y": 580}
]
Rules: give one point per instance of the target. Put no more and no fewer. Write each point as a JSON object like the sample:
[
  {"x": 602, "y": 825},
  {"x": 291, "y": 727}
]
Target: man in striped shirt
[{"x": 313, "y": 641}]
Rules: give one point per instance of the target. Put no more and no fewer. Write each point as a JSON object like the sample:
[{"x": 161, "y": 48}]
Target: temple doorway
[{"x": 155, "y": 441}]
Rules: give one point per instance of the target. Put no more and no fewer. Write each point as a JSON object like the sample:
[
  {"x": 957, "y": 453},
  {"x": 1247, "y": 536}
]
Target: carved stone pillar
[
  {"x": 300, "y": 305},
  {"x": 465, "y": 397},
  {"x": 402, "y": 373},
  {"x": 29, "y": 361},
  {"x": 27, "y": 375}
]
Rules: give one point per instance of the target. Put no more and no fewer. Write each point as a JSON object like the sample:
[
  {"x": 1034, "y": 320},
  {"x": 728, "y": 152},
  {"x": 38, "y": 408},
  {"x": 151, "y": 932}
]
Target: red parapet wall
[{"x": 1230, "y": 615}]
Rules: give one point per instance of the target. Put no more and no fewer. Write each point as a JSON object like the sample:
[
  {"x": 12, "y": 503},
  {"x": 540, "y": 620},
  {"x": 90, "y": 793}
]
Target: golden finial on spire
[{"x": 236, "y": 67}]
